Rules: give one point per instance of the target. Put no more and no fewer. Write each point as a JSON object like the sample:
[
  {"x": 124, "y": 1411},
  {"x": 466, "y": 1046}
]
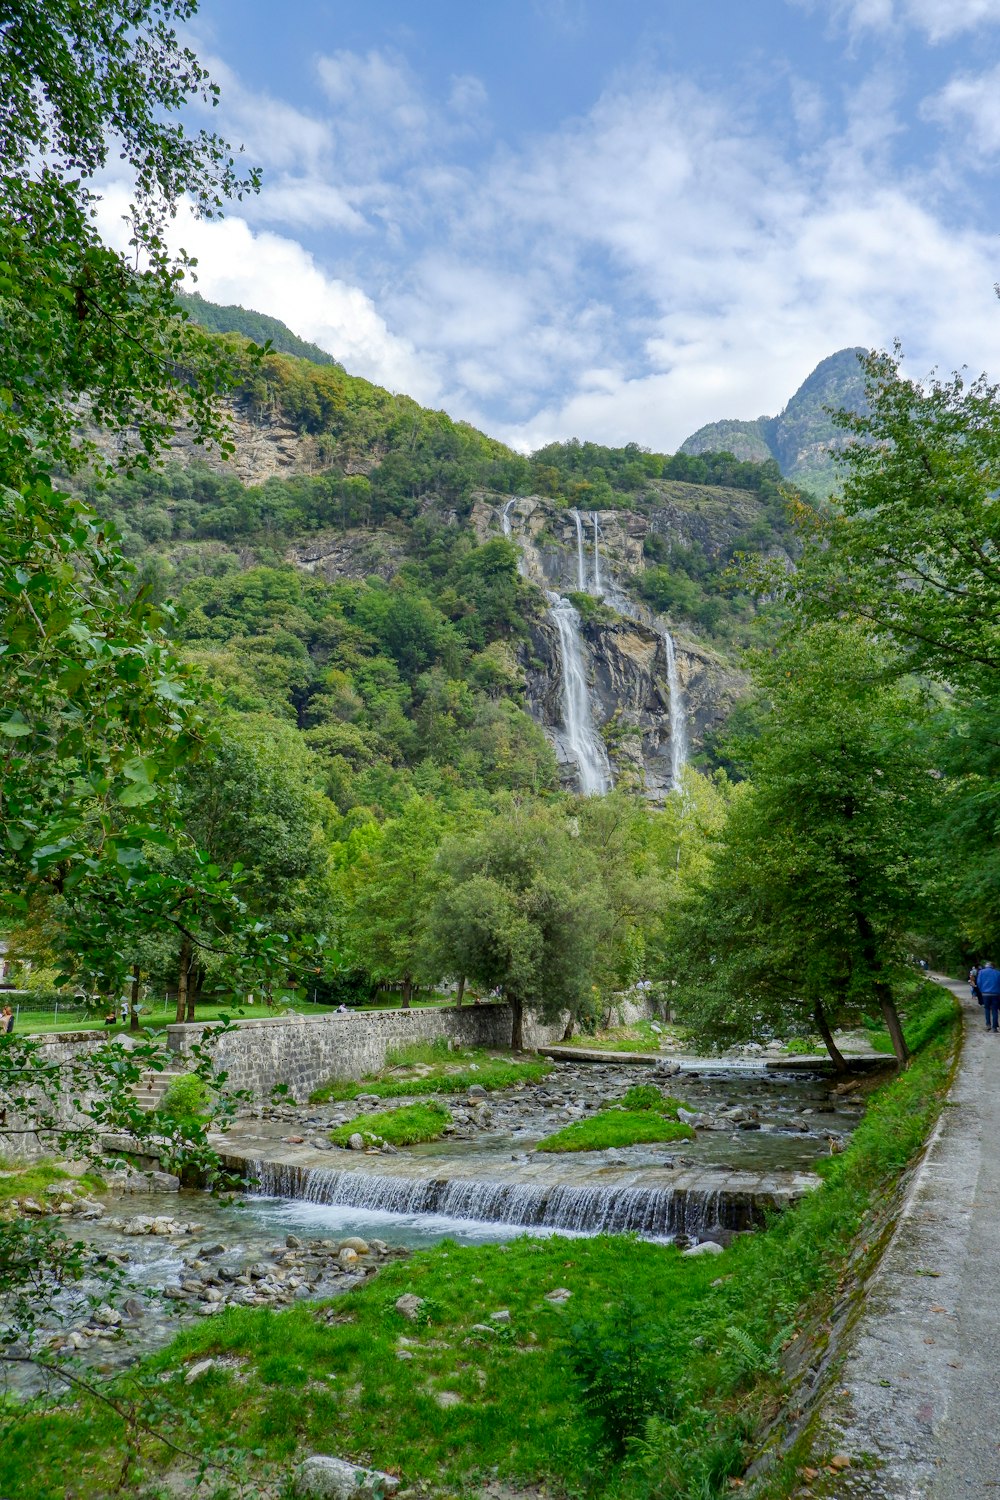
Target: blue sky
[{"x": 561, "y": 218}]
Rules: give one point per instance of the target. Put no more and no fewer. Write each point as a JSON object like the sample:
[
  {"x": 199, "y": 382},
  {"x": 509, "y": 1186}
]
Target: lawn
[
  {"x": 39, "y": 1022},
  {"x": 429, "y": 1068}
]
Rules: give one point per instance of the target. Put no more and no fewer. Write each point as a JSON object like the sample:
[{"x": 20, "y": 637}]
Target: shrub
[
  {"x": 187, "y": 1100},
  {"x": 620, "y": 1366}
]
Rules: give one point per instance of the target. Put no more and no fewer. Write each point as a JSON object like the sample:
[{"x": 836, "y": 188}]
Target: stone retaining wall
[{"x": 305, "y": 1052}]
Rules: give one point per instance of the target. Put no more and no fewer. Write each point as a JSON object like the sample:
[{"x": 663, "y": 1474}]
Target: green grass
[
  {"x": 648, "y": 1096},
  {"x": 404, "y": 1126},
  {"x": 426, "y": 1069},
  {"x": 29, "y": 1180},
  {"x": 616, "y": 1127},
  {"x": 636, "y": 1038},
  {"x": 36, "y": 1023},
  {"x": 328, "y": 1381}
]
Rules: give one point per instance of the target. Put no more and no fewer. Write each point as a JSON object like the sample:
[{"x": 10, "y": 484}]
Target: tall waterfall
[
  {"x": 581, "y": 566},
  {"x": 678, "y": 717},
  {"x": 580, "y": 739},
  {"x": 651, "y": 1211},
  {"x": 597, "y": 557},
  {"x": 583, "y": 743}
]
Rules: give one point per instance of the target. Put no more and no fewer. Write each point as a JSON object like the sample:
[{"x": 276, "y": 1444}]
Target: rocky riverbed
[
  {"x": 157, "y": 1256},
  {"x": 749, "y": 1120}
]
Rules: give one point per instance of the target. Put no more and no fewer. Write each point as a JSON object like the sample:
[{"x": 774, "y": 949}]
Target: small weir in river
[{"x": 652, "y": 1212}]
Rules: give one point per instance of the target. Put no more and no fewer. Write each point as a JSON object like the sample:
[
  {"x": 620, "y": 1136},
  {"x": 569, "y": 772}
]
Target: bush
[
  {"x": 187, "y": 1100},
  {"x": 620, "y": 1367}
]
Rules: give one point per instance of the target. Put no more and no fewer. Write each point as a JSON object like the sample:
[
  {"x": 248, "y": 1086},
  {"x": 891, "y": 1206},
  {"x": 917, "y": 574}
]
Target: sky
[{"x": 617, "y": 222}]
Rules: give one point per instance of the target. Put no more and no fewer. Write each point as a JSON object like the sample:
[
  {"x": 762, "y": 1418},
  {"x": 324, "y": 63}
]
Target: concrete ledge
[{"x": 863, "y": 1062}]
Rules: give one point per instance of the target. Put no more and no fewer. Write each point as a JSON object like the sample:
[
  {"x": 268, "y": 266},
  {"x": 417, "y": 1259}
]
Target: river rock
[
  {"x": 349, "y": 1259},
  {"x": 356, "y": 1244},
  {"x": 689, "y": 1116},
  {"x": 356, "y": 1142},
  {"x": 320, "y": 1478},
  {"x": 558, "y": 1295},
  {"x": 707, "y": 1247},
  {"x": 201, "y": 1367},
  {"x": 409, "y": 1305},
  {"x": 666, "y": 1068},
  {"x": 106, "y": 1317}
]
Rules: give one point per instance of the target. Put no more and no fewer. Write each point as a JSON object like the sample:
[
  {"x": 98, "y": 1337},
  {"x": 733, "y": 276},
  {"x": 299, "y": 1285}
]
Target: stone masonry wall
[{"x": 305, "y": 1052}]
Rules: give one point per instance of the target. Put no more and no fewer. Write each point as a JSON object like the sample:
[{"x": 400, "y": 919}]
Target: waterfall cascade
[
  {"x": 580, "y": 739},
  {"x": 581, "y": 566},
  {"x": 598, "y": 589},
  {"x": 583, "y": 743},
  {"x": 678, "y": 717},
  {"x": 656, "y": 1212}
]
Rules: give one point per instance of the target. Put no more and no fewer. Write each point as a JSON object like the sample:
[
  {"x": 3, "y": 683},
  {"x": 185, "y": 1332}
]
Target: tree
[
  {"x": 818, "y": 874},
  {"x": 388, "y": 893},
  {"x": 914, "y": 549},
  {"x": 82, "y": 323},
  {"x": 518, "y": 912}
]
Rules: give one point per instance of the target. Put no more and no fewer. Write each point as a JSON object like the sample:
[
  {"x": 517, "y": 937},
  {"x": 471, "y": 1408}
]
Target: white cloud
[
  {"x": 273, "y": 274},
  {"x": 971, "y": 103},
  {"x": 939, "y": 20}
]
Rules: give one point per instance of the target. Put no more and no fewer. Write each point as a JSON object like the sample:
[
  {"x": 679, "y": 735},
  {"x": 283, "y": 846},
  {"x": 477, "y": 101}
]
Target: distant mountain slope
[
  {"x": 258, "y": 327},
  {"x": 801, "y": 437}
]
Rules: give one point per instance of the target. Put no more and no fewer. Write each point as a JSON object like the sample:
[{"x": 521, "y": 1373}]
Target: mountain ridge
[{"x": 801, "y": 436}]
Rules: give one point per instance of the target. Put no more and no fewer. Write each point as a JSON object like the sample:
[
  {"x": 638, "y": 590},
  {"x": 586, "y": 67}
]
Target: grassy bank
[
  {"x": 399, "y": 1127},
  {"x": 429, "y": 1068},
  {"x": 645, "y": 1382},
  {"x": 616, "y": 1127}
]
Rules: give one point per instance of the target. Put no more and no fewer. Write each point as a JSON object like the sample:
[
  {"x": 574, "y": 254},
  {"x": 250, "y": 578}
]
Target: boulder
[
  {"x": 707, "y": 1247},
  {"x": 354, "y": 1243},
  {"x": 409, "y": 1305},
  {"x": 201, "y": 1367},
  {"x": 320, "y": 1478},
  {"x": 356, "y": 1142},
  {"x": 689, "y": 1116}
]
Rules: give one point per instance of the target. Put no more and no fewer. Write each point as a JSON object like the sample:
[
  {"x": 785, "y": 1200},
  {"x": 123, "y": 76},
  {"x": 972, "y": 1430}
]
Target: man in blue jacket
[{"x": 989, "y": 988}]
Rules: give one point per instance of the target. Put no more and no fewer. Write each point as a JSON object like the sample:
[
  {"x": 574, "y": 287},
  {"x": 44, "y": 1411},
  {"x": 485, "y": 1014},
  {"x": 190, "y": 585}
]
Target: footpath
[{"x": 916, "y": 1408}]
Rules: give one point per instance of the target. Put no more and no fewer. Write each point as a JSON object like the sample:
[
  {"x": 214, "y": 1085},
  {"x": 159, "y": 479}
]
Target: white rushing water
[
  {"x": 581, "y": 564},
  {"x": 582, "y": 742},
  {"x": 598, "y": 589},
  {"x": 678, "y": 716},
  {"x": 652, "y": 1212}
]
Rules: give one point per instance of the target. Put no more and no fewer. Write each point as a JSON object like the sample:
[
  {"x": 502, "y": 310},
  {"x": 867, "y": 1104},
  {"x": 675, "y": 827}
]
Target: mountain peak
[{"x": 801, "y": 436}]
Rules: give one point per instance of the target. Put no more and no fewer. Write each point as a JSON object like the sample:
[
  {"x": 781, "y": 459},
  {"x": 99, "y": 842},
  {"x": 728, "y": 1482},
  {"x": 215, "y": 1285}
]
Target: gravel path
[{"x": 918, "y": 1389}]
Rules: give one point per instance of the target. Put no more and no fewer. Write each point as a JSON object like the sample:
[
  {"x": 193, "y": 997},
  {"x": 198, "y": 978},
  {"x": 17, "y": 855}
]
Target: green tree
[
  {"x": 387, "y": 896},
  {"x": 518, "y": 912},
  {"x": 914, "y": 550},
  {"x": 818, "y": 875}
]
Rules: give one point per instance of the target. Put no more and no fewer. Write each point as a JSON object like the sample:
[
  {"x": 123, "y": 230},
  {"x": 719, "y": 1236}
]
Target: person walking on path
[
  {"x": 989, "y": 988},
  {"x": 974, "y": 984}
]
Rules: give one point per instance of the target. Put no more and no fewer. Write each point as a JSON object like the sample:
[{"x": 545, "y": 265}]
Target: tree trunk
[
  {"x": 823, "y": 1027},
  {"x": 460, "y": 992},
  {"x": 893, "y": 1025},
  {"x": 133, "y": 1006},
  {"x": 407, "y": 992},
  {"x": 883, "y": 992},
  {"x": 194, "y": 990},
  {"x": 183, "y": 975},
  {"x": 516, "y": 1023}
]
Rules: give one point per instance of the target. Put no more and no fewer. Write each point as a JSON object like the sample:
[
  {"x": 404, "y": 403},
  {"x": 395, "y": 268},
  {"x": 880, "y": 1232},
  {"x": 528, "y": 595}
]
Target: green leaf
[
  {"x": 136, "y": 795},
  {"x": 16, "y": 726}
]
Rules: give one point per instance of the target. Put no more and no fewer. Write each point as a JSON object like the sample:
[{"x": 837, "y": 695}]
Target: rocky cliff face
[{"x": 624, "y": 643}]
